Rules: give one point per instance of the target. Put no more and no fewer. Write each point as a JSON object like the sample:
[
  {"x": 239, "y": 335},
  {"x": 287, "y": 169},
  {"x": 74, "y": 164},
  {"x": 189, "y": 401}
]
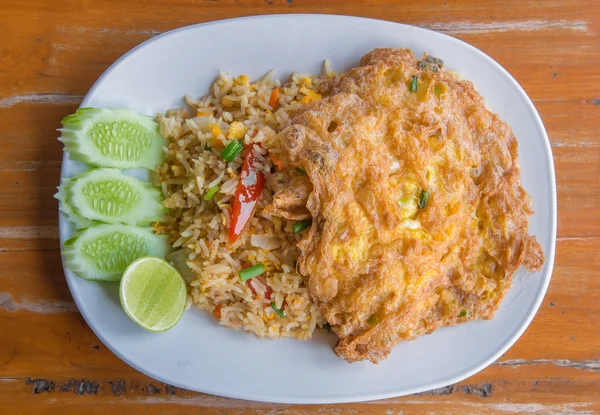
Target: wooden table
[{"x": 52, "y": 51}]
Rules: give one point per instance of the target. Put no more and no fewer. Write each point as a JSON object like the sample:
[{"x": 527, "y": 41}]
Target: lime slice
[{"x": 153, "y": 294}]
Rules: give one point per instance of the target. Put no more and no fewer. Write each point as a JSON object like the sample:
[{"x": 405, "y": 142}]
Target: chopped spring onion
[
  {"x": 422, "y": 64},
  {"x": 414, "y": 83},
  {"x": 463, "y": 313},
  {"x": 278, "y": 311},
  {"x": 233, "y": 149},
  {"x": 327, "y": 326},
  {"x": 373, "y": 320},
  {"x": 211, "y": 192},
  {"x": 301, "y": 171},
  {"x": 300, "y": 226},
  {"x": 252, "y": 272},
  {"x": 423, "y": 199},
  {"x": 435, "y": 61}
]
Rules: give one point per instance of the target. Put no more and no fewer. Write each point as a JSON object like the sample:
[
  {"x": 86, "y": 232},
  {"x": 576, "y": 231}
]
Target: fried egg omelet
[{"x": 419, "y": 217}]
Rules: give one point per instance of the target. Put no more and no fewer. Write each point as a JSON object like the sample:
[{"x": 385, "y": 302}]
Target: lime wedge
[{"x": 153, "y": 294}]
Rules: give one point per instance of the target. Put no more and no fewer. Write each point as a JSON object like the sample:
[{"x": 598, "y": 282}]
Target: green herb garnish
[
  {"x": 373, "y": 320},
  {"x": 435, "y": 61},
  {"x": 211, "y": 192},
  {"x": 278, "y": 311},
  {"x": 232, "y": 150},
  {"x": 423, "y": 199},
  {"x": 301, "y": 171},
  {"x": 252, "y": 272},
  {"x": 300, "y": 226},
  {"x": 414, "y": 83},
  {"x": 463, "y": 313}
]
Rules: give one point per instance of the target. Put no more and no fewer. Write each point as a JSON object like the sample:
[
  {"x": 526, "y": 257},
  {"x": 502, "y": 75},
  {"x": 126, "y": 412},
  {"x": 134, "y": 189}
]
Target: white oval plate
[{"x": 200, "y": 355}]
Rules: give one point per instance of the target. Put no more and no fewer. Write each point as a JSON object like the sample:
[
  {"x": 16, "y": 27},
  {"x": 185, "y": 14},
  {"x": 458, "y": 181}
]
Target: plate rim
[{"x": 337, "y": 398}]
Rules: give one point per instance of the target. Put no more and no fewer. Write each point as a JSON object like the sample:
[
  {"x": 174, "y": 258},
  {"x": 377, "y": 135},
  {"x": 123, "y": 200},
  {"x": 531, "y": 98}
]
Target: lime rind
[
  {"x": 153, "y": 294},
  {"x": 103, "y": 252},
  {"x": 109, "y": 196},
  {"x": 118, "y": 138}
]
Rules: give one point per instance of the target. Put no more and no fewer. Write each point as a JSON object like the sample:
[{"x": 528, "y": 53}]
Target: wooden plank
[
  {"x": 80, "y": 41},
  {"x": 540, "y": 388}
]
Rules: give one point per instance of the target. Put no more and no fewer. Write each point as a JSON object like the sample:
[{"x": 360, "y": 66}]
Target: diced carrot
[
  {"x": 217, "y": 311},
  {"x": 278, "y": 162},
  {"x": 274, "y": 98}
]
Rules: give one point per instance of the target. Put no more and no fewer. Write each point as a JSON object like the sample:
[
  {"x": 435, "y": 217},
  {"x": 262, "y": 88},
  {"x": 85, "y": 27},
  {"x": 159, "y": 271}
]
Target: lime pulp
[{"x": 153, "y": 294}]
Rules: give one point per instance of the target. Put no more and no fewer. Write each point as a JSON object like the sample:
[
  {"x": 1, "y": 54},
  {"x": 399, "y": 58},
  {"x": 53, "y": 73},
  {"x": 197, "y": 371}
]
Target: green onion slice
[
  {"x": 423, "y": 199},
  {"x": 300, "y": 226},
  {"x": 463, "y": 313},
  {"x": 414, "y": 83},
  {"x": 327, "y": 326},
  {"x": 301, "y": 171},
  {"x": 232, "y": 150},
  {"x": 252, "y": 272},
  {"x": 211, "y": 192},
  {"x": 373, "y": 320},
  {"x": 278, "y": 311}
]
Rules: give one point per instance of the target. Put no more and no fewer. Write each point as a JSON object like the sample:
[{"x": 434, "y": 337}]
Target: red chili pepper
[
  {"x": 246, "y": 195},
  {"x": 268, "y": 290},
  {"x": 249, "y": 285}
]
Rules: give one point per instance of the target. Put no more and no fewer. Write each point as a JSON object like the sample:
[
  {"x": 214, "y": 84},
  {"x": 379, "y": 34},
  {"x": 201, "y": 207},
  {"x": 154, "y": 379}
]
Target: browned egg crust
[{"x": 419, "y": 217}]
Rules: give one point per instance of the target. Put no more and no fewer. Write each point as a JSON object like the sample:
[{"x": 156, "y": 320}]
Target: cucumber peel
[
  {"x": 109, "y": 196},
  {"x": 117, "y": 138},
  {"x": 67, "y": 208},
  {"x": 103, "y": 252}
]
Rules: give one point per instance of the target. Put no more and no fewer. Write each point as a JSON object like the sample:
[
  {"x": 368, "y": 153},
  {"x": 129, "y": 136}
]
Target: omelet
[{"x": 419, "y": 219}]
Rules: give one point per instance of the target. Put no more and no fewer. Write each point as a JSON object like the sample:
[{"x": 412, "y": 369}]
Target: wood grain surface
[{"x": 51, "y": 52}]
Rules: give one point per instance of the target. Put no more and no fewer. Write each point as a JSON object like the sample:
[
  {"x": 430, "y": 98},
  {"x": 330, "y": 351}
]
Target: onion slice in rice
[{"x": 265, "y": 242}]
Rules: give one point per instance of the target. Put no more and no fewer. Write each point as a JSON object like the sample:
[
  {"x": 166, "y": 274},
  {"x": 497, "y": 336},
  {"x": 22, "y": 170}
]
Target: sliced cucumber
[
  {"x": 112, "y": 138},
  {"x": 109, "y": 196},
  {"x": 103, "y": 252},
  {"x": 66, "y": 207}
]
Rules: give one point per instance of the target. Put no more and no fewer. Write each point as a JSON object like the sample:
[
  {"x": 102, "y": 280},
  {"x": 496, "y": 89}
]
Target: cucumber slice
[
  {"x": 112, "y": 138},
  {"x": 109, "y": 196},
  {"x": 103, "y": 252},
  {"x": 65, "y": 206}
]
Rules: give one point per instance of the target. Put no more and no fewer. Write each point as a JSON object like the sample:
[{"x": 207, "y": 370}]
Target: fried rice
[{"x": 236, "y": 109}]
